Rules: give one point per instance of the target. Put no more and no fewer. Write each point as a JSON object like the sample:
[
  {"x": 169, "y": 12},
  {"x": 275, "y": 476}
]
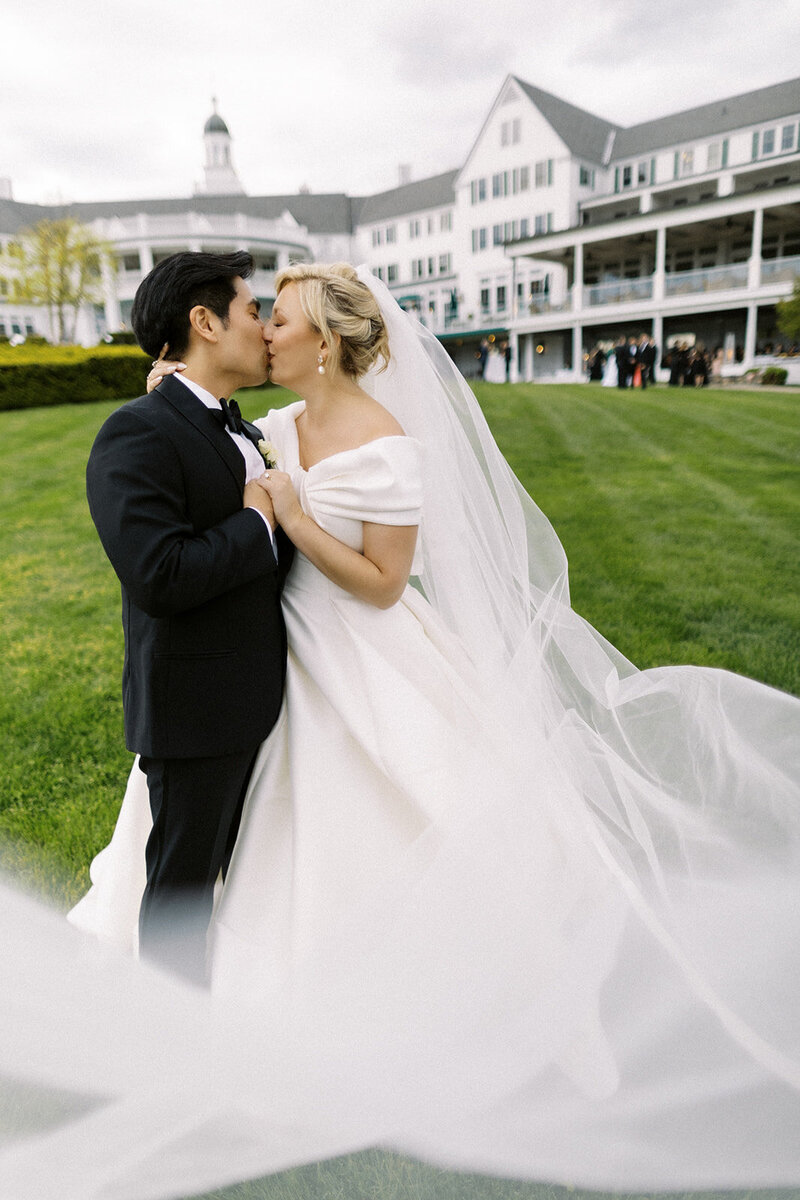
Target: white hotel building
[{"x": 560, "y": 230}]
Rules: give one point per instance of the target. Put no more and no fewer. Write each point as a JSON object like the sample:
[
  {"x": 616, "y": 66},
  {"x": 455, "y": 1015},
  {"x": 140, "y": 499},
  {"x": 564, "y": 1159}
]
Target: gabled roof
[
  {"x": 582, "y": 132},
  {"x": 721, "y": 116},
  {"x": 322, "y": 213},
  {"x": 437, "y": 191}
]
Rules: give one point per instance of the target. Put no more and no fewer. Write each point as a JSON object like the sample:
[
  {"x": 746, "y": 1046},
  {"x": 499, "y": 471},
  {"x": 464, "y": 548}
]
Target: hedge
[
  {"x": 91, "y": 376},
  {"x": 773, "y": 375}
]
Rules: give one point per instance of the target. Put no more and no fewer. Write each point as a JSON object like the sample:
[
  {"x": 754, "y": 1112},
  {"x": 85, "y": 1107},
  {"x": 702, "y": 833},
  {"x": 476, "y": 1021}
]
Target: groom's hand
[{"x": 256, "y": 497}]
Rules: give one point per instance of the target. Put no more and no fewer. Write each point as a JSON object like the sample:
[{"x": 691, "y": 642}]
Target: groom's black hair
[{"x": 169, "y": 292}]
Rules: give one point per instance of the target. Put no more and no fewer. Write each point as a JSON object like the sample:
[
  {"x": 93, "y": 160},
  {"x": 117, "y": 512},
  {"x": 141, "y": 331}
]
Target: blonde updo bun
[{"x": 344, "y": 311}]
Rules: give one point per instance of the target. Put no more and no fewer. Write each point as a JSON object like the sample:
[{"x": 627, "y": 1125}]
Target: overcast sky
[{"x": 108, "y": 100}]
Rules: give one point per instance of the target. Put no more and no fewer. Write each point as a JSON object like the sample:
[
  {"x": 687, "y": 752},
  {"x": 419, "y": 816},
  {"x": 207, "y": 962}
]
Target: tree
[
  {"x": 59, "y": 264},
  {"x": 788, "y": 313}
]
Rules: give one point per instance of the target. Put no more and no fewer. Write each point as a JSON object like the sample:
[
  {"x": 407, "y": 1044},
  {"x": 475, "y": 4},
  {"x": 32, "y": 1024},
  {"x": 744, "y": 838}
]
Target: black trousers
[{"x": 196, "y": 805}]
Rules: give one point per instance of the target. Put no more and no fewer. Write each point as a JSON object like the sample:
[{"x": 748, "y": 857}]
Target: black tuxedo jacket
[{"x": 205, "y": 643}]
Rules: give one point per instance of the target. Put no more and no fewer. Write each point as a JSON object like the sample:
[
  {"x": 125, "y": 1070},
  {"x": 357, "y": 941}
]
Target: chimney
[
  {"x": 6, "y": 192},
  {"x": 404, "y": 173}
]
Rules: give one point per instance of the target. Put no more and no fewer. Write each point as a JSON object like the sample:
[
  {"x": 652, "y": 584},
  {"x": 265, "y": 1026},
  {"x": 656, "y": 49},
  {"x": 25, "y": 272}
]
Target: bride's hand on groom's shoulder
[{"x": 162, "y": 366}]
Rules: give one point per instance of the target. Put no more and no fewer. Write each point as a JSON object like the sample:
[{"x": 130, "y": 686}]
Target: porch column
[
  {"x": 514, "y": 343},
  {"x": 661, "y": 263},
  {"x": 658, "y": 338},
  {"x": 577, "y": 353},
  {"x": 113, "y": 317},
  {"x": 527, "y": 351},
  {"x": 750, "y": 336},
  {"x": 754, "y": 265},
  {"x": 577, "y": 279}
]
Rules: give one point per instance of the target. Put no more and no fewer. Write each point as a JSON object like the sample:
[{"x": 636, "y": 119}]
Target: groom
[{"x": 192, "y": 539}]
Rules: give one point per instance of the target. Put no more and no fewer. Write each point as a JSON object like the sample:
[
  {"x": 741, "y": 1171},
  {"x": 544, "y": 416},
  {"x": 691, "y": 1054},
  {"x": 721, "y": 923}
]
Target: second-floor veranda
[{"x": 744, "y": 249}]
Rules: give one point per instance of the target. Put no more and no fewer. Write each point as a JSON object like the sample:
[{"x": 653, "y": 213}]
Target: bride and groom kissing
[{"x": 181, "y": 500}]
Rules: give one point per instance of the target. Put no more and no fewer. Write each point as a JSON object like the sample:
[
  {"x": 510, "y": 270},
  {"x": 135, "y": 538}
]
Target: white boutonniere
[{"x": 269, "y": 454}]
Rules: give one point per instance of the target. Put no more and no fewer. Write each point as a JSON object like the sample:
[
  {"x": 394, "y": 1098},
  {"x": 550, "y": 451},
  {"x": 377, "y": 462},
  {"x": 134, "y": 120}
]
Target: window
[
  {"x": 714, "y": 156},
  {"x": 265, "y": 262},
  {"x": 524, "y": 178},
  {"x": 485, "y": 299},
  {"x": 501, "y": 298},
  {"x": 379, "y": 272},
  {"x": 417, "y": 268},
  {"x": 510, "y": 231},
  {"x": 477, "y": 191},
  {"x": 768, "y": 141},
  {"x": 497, "y": 235},
  {"x": 755, "y": 145},
  {"x": 430, "y": 224},
  {"x": 642, "y": 172},
  {"x": 391, "y": 273},
  {"x": 500, "y": 183},
  {"x": 627, "y": 176},
  {"x": 377, "y": 237},
  {"x": 478, "y": 239},
  {"x": 523, "y": 227},
  {"x": 391, "y": 234},
  {"x": 787, "y": 137},
  {"x": 444, "y": 264},
  {"x": 586, "y": 177},
  {"x": 687, "y": 162},
  {"x": 431, "y": 266},
  {"x": 446, "y": 222},
  {"x": 413, "y": 229},
  {"x": 543, "y": 173},
  {"x": 540, "y": 223},
  {"x": 505, "y": 133}
]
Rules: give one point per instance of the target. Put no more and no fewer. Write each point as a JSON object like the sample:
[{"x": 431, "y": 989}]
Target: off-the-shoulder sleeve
[{"x": 379, "y": 482}]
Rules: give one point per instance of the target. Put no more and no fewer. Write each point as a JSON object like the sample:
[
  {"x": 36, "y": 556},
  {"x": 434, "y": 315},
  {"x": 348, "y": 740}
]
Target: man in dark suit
[
  {"x": 170, "y": 484},
  {"x": 648, "y": 352},
  {"x": 623, "y": 362}
]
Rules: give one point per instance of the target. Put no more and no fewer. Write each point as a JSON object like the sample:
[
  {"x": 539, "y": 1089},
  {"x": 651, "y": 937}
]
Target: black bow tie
[{"x": 228, "y": 415}]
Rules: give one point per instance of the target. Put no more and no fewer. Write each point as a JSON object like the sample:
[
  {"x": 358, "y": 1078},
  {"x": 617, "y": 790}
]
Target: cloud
[{"x": 109, "y": 101}]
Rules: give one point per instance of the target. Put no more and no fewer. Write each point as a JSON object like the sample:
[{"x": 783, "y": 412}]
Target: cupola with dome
[{"x": 220, "y": 175}]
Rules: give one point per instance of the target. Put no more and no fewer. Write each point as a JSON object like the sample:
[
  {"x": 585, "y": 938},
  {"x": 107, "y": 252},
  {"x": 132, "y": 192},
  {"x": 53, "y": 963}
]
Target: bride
[{"x": 498, "y": 899}]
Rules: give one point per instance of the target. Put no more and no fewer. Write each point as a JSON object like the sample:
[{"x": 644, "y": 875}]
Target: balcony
[
  {"x": 712, "y": 279},
  {"x": 618, "y": 291},
  {"x": 543, "y": 305},
  {"x": 780, "y": 270}
]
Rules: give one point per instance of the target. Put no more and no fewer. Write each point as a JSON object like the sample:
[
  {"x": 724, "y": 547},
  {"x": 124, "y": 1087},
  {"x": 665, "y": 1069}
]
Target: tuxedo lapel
[
  {"x": 252, "y": 432},
  {"x": 194, "y": 411}
]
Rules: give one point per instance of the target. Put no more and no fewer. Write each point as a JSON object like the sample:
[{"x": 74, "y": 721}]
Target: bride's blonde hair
[{"x": 344, "y": 311}]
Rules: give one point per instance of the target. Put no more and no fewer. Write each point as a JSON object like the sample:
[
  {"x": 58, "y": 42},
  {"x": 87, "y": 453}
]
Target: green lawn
[{"x": 679, "y": 512}]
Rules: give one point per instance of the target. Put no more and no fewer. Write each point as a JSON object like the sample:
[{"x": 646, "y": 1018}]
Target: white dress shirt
[{"x": 253, "y": 462}]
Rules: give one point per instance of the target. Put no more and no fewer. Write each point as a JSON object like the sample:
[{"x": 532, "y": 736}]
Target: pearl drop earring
[{"x": 321, "y": 365}]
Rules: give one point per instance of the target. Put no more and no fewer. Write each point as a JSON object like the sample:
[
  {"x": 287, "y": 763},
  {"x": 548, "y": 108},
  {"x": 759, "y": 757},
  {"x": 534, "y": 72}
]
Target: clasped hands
[{"x": 282, "y": 497}]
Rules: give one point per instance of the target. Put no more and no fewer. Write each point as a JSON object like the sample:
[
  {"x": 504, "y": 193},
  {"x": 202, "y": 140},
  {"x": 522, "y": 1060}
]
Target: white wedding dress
[{"x": 498, "y": 899}]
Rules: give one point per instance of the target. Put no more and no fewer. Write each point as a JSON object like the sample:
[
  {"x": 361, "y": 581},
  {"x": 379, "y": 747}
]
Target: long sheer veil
[{"x": 589, "y": 978}]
